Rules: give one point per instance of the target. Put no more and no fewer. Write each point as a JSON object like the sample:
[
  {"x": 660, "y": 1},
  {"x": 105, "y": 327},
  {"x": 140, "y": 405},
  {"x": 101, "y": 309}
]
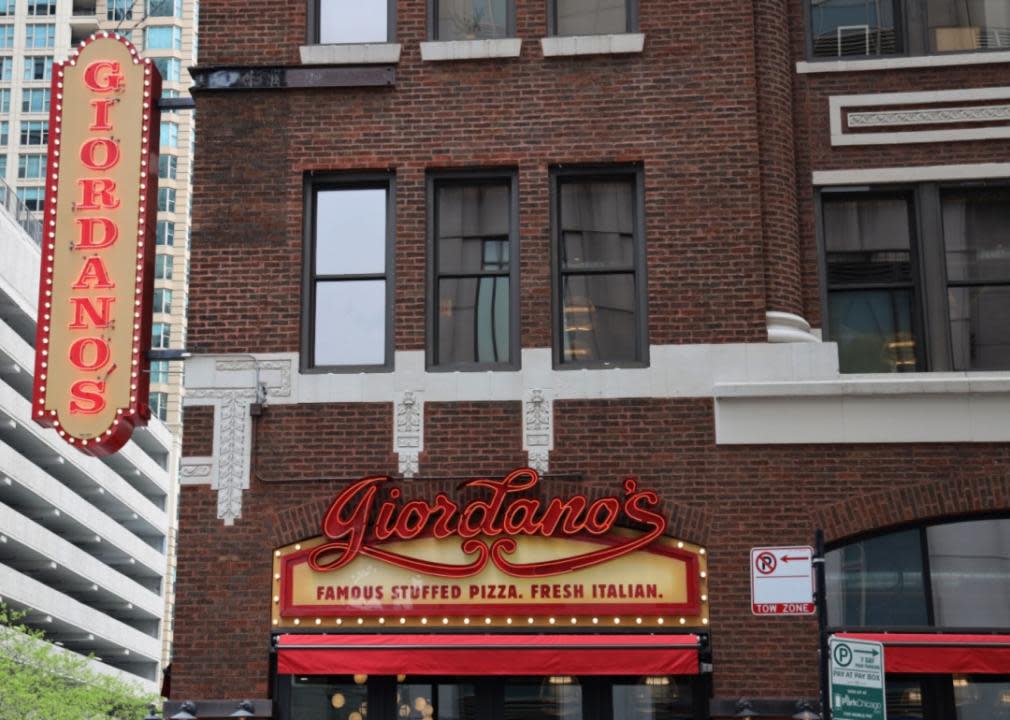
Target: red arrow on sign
[{"x": 786, "y": 558}]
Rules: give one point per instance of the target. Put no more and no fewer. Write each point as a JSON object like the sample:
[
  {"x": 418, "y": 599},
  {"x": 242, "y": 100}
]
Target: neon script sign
[
  {"x": 488, "y": 529},
  {"x": 94, "y": 328}
]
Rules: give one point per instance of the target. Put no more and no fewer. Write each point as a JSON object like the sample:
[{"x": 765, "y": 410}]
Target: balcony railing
[{"x": 20, "y": 212}]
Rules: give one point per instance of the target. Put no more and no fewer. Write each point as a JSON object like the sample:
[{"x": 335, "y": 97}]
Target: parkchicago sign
[
  {"x": 94, "y": 321},
  {"x": 509, "y": 554}
]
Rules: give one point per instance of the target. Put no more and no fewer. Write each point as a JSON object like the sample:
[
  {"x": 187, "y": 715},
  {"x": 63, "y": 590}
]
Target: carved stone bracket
[
  {"x": 408, "y": 431},
  {"x": 538, "y": 428}
]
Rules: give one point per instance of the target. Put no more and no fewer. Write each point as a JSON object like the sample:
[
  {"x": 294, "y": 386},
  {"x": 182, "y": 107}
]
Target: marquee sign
[
  {"x": 507, "y": 559},
  {"x": 94, "y": 322}
]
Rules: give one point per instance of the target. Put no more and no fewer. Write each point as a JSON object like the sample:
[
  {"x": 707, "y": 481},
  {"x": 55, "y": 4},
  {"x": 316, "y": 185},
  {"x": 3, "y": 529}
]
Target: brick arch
[
  {"x": 918, "y": 503},
  {"x": 301, "y": 522}
]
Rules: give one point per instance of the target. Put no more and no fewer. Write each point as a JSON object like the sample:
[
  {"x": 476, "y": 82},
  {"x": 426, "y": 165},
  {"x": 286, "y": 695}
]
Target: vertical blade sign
[{"x": 94, "y": 315}]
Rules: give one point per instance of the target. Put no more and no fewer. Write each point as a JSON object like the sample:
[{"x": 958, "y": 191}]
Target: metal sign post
[{"x": 822, "y": 622}]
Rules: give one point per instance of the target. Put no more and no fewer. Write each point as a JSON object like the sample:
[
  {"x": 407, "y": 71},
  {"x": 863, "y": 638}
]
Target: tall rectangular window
[
  {"x": 35, "y": 100},
  {"x": 161, "y": 335},
  {"x": 165, "y": 234},
  {"x": 599, "y": 261},
  {"x": 975, "y": 223},
  {"x": 40, "y": 36},
  {"x": 32, "y": 197},
  {"x": 3, "y": 166},
  {"x": 167, "y": 166},
  {"x": 349, "y": 21},
  {"x": 159, "y": 371},
  {"x": 163, "y": 266},
  {"x": 166, "y": 199},
  {"x": 159, "y": 404},
  {"x": 34, "y": 132},
  {"x": 170, "y": 68},
  {"x": 472, "y": 19},
  {"x": 162, "y": 300},
  {"x": 5, "y": 131},
  {"x": 7, "y": 7},
  {"x": 473, "y": 314},
  {"x": 871, "y": 282},
  {"x": 38, "y": 67},
  {"x": 6, "y": 37},
  {"x": 6, "y": 68},
  {"x": 31, "y": 167},
  {"x": 120, "y": 10},
  {"x": 163, "y": 37},
  {"x": 592, "y": 17},
  {"x": 348, "y": 316},
  {"x": 169, "y": 137},
  {"x": 5, "y": 100}
]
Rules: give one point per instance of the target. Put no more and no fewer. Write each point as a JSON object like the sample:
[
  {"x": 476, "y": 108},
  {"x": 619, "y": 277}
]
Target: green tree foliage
[{"x": 39, "y": 681}]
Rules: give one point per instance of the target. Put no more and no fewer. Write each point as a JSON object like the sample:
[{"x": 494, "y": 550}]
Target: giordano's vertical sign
[
  {"x": 94, "y": 317},
  {"x": 506, "y": 559}
]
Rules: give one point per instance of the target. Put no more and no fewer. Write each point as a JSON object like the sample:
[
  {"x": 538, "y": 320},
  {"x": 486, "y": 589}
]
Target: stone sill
[
  {"x": 613, "y": 44},
  {"x": 438, "y": 51},
  {"x": 900, "y": 63},
  {"x": 350, "y": 54},
  {"x": 954, "y": 383}
]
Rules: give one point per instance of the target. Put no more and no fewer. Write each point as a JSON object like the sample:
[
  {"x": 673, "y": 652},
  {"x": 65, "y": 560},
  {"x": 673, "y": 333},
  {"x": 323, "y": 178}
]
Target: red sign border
[
  {"x": 812, "y": 607},
  {"x": 137, "y": 413},
  {"x": 693, "y": 606}
]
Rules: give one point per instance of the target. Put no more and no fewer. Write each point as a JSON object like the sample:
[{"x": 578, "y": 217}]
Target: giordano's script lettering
[{"x": 356, "y": 523}]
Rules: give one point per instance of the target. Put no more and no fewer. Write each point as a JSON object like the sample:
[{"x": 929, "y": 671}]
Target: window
[
  {"x": 950, "y": 575},
  {"x": 164, "y": 37},
  {"x": 161, "y": 335},
  {"x": 348, "y": 316},
  {"x": 7, "y": 68},
  {"x": 3, "y": 166},
  {"x": 163, "y": 266},
  {"x": 159, "y": 371},
  {"x": 905, "y": 296},
  {"x": 159, "y": 405},
  {"x": 6, "y": 37},
  {"x": 32, "y": 197},
  {"x": 38, "y": 68},
  {"x": 347, "y": 21},
  {"x": 599, "y": 268},
  {"x": 162, "y": 300},
  {"x": 31, "y": 166},
  {"x": 169, "y": 135},
  {"x": 5, "y": 101},
  {"x": 120, "y": 10},
  {"x": 592, "y": 17},
  {"x": 164, "y": 8},
  {"x": 34, "y": 132},
  {"x": 167, "y": 165},
  {"x": 165, "y": 233},
  {"x": 7, "y": 7},
  {"x": 41, "y": 7},
  {"x": 166, "y": 199},
  {"x": 170, "y": 68},
  {"x": 473, "y": 315},
  {"x": 5, "y": 129},
  {"x": 35, "y": 100},
  {"x": 853, "y": 28},
  {"x": 472, "y": 19},
  {"x": 40, "y": 36}
]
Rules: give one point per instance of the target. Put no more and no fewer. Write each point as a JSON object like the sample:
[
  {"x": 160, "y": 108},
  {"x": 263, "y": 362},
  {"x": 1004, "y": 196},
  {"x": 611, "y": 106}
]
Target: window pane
[
  {"x": 350, "y": 322},
  {"x": 597, "y": 225},
  {"x": 351, "y": 231},
  {"x": 905, "y": 698},
  {"x": 473, "y": 210},
  {"x": 472, "y": 19},
  {"x": 658, "y": 698},
  {"x": 867, "y": 240},
  {"x": 473, "y": 320},
  {"x": 873, "y": 329},
  {"x": 316, "y": 698},
  {"x": 439, "y": 702},
  {"x": 473, "y": 255},
  {"x": 969, "y": 566},
  {"x": 852, "y": 27},
  {"x": 159, "y": 370},
  {"x": 982, "y": 698},
  {"x": 351, "y": 21},
  {"x": 877, "y": 582},
  {"x": 599, "y": 323},
  {"x": 975, "y": 235},
  {"x": 960, "y": 25},
  {"x": 980, "y": 327},
  {"x": 544, "y": 701},
  {"x": 591, "y": 17}
]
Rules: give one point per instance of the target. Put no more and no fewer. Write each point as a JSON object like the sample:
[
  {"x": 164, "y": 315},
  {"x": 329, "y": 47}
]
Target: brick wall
[{"x": 729, "y": 498}]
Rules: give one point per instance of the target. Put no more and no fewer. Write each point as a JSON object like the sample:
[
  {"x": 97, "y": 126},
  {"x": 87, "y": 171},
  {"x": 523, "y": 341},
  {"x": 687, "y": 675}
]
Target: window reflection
[
  {"x": 442, "y": 701},
  {"x": 320, "y": 698},
  {"x": 558, "y": 697},
  {"x": 653, "y": 698},
  {"x": 982, "y": 698}
]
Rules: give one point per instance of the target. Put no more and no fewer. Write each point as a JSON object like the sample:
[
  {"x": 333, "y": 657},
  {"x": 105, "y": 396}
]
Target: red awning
[
  {"x": 487, "y": 654},
  {"x": 936, "y": 653}
]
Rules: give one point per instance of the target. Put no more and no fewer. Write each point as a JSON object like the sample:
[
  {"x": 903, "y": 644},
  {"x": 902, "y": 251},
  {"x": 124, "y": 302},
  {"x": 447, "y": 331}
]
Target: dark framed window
[
  {"x": 598, "y": 263},
  {"x": 948, "y": 697},
  {"x": 852, "y": 29},
  {"x": 942, "y": 575},
  {"x": 159, "y": 404},
  {"x": 471, "y": 19},
  {"x": 473, "y": 271},
  {"x": 347, "y": 310},
  {"x": 168, "y": 166},
  {"x": 592, "y": 17},
  {"x": 38, "y": 67},
  {"x": 917, "y": 278},
  {"x": 337, "y": 22}
]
